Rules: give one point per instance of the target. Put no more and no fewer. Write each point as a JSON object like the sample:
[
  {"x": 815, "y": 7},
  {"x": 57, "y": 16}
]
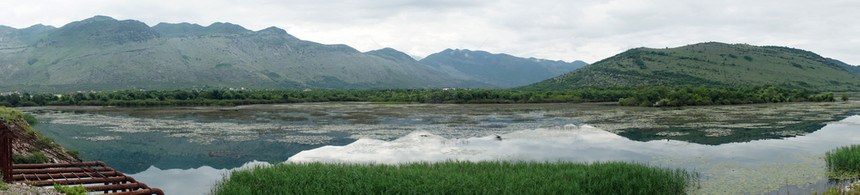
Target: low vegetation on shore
[
  {"x": 31, "y": 146},
  {"x": 452, "y": 177},
  {"x": 843, "y": 162},
  {"x": 643, "y": 96},
  {"x": 664, "y": 96}
]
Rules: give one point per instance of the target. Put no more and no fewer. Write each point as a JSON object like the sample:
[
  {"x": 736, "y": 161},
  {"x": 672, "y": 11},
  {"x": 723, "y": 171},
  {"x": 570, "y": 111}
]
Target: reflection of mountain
[
  {"x": 194, "y": 180},
  {"x": 569, "y": 143},
  {"x": 770, "y": 163},
  {"x": 167, "y": 143},
  {"x": 717, "y": 136},
  {"x": 585, "y": 144}
]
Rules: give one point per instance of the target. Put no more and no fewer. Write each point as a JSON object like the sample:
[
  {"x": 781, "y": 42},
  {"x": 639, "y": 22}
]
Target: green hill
[
  {"x": 500, "y": 70},
  {"x": 709, "y": 64},
  {"x": 102, "y": 53},
  {"x": 850, "y": 68}
]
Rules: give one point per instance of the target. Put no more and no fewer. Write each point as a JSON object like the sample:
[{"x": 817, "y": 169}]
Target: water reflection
[
  {"x": 575, "y": 143},
  {"x": 570, "y": 142},
  {"x": 189, "y": 141},
  {"x": 186, "y": 181},
  {"x": 737, "y": 168},
  {"x": 132, "y": 140}
]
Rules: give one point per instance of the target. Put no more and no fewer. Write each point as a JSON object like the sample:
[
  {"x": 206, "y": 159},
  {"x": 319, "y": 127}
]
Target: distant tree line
[
  {"x": 664, "y": 96},
  {"x": 643, "y": 96}
]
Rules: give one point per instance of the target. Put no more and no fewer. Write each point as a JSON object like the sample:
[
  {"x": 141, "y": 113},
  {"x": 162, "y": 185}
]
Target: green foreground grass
[
  {"x": 454, "y": 177},
  {"x": 843, "y": 162}
]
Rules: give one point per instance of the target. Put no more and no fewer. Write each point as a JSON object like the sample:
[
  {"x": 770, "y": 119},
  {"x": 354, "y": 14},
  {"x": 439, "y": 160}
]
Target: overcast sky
[{"x": 587, "y": 30}]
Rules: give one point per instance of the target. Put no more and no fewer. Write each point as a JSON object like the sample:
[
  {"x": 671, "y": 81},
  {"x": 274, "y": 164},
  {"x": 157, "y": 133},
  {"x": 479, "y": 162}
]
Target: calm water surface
[{"x": 771, "y": 148}]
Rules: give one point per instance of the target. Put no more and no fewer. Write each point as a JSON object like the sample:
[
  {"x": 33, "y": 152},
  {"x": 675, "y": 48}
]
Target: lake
[{"x": 747, "y": 149}]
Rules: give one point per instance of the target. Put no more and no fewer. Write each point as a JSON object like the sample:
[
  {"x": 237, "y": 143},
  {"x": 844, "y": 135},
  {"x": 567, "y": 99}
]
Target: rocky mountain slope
[{"x": 102, "y": 53}]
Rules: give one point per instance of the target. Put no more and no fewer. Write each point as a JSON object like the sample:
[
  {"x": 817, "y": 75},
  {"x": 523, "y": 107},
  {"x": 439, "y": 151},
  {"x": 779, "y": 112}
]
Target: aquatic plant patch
[
  {"x": 454, "y": 177},
  {"x": 843, "y": 162}
]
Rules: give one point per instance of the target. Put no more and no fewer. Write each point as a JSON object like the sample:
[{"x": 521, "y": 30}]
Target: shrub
[
  {"x": 30, "y": 119},
  {"x": 843, "y": 162},
  {"x": 74, "y": 153},
  {"x": 32, "y": 158},
  {"x": 44, "y": 142},
  {"x": 70, "y": 190},
  {"x": 630, "y": 101}
]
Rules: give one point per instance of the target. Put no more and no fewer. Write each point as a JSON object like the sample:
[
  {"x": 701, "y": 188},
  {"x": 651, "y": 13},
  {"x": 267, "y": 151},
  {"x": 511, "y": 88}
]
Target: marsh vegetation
[
  {"x": 453, "y": 177},
  {"x": 843, "y": 162}
]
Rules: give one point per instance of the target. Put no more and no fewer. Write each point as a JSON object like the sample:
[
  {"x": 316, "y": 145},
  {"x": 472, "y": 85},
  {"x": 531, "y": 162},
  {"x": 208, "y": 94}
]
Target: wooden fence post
[{"x": 6, "y": 151}]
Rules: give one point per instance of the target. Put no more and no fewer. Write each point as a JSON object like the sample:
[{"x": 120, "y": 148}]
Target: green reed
[
  {"x": 843, "y": 162},
  {"x": 455, "y": 177}
]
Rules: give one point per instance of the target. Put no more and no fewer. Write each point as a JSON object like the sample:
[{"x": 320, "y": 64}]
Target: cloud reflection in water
[{"x": 763, "y": 165}]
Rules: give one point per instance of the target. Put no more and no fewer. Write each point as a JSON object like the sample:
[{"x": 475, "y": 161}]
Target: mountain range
[
  {"x": 102, "y": 53},
  {"x": 497, "y": 69},
  {"x": 711, "y": 64}
]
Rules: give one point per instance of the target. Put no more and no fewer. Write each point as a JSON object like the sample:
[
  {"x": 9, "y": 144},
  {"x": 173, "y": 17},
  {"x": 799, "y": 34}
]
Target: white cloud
[{"x": 587, "y": 30}]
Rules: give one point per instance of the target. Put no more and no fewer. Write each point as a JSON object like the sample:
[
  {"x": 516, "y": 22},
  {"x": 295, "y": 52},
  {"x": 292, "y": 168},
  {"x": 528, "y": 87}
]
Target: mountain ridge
[
  {"x": 709, "y": 64},
  {"x": 100, "y": 31},
  {"x": 497, "y": 69},
  {"x": 853, "y": 69},
  {"x": 102, "y": 53}
]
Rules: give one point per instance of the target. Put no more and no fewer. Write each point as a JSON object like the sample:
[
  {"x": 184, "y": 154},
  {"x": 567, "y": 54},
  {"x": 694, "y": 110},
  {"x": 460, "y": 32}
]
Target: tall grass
[
  {"x": 843, "y": 162},
  {"x": 454, "y": 177}
]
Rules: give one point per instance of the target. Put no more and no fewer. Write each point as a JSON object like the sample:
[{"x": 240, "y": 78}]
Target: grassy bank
[
  {"x": 458, "y": 178},
  {"x": 39, "y": 145},
  {"x": 843, "y": 162}
]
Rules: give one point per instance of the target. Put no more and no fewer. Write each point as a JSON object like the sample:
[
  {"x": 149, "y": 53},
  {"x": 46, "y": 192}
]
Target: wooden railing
[{"x": 94, "y": 176}]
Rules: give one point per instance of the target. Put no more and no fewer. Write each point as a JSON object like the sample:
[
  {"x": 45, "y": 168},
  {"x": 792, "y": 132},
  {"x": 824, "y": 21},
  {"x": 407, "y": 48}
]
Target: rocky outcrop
[{"x": 27, "y": 142}]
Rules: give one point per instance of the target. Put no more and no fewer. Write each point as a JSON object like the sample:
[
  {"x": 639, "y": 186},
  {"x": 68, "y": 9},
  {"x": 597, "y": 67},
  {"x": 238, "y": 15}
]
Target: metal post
[{"x": 6, "y": 151}]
